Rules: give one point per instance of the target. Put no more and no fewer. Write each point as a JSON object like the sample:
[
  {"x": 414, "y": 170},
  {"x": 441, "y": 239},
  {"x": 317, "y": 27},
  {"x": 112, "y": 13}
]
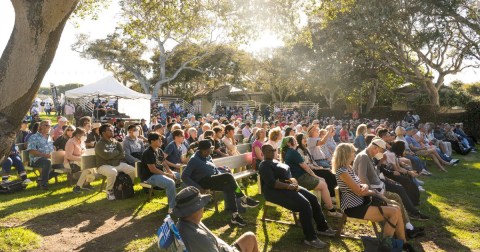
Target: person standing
[{"x": 69, "y": 111}]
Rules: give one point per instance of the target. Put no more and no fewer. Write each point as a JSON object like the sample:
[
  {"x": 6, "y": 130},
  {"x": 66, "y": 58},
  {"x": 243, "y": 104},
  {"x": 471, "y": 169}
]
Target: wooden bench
[
  {"x": 57, "y": 160},
  {"x": 88, "y": 161},
  {"x": 238, "y": 137},
  {"x": 235, "y": 163},
  {"x": 345, "y": 218},
  {"x": 244, "y": 148}
]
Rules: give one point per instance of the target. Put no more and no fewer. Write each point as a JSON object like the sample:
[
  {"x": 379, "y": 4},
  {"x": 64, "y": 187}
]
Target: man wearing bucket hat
[
  {"x": 202, "y": 173},
  {"x": 197, "y": 237}
]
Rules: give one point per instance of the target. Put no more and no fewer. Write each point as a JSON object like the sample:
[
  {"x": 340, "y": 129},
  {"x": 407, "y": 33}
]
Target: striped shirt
[{"x": 348, "y": 199}]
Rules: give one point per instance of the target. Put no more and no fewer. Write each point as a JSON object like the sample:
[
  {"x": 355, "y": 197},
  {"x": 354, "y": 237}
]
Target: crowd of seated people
[{"x": 380, "y": 158}]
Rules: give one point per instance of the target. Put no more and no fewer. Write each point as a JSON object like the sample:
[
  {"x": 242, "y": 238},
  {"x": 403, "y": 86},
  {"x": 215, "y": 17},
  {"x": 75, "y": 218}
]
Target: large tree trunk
[
  {"x": 432, "y": 92},
  {"x": 372, "y": 96},
  {"x": 26, "y": 58}
]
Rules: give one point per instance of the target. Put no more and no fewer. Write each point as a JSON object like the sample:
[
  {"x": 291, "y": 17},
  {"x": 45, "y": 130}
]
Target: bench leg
[
  {"x": 343, "y": 220},
  {"x": 215, "y": 202},
  {"x": 295, "y": 219},
  {"x": 375, "y": 229},
  {"x": 70, "y": 179},
  {"x": 264, "y": 215},
  {"x": 150, "y": 192}
]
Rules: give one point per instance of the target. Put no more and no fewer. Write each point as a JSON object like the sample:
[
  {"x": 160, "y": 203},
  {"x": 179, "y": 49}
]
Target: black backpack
[
  {"x": 123, "y": 186},
  {"x": 12, "y": 186}
]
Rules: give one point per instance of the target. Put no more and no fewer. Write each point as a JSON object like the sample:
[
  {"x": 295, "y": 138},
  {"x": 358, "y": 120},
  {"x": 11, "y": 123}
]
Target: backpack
[
  {"x": 123, "y": 186},
  {"x": 12, "y": 186}
]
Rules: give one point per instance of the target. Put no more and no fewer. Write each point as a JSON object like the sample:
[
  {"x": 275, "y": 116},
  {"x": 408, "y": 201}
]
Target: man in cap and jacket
[{"x": 202, "y": 173}]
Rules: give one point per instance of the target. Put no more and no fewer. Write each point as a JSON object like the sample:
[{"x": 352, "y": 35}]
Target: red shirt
[{"x": 343, "y": 136}]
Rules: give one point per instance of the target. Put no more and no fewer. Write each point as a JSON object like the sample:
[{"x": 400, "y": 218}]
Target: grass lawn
[{"x": 59, "y": 220}]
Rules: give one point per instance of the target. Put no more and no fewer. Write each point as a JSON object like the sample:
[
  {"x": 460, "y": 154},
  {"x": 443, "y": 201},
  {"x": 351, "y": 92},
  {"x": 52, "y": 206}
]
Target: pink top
[
  {"x": 256, "y": 144},
  {"x": 73, "y": 150}
]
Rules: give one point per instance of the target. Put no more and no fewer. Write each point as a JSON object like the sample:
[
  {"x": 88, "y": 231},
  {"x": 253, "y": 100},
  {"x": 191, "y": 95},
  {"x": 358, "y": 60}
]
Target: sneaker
[
  {"x": 249, "y": 202},
  {"x": 110, "y": 195},
  {"x": 88, "y": 187},
  {"x": 420, "y": 182},
  {"x": 329, "y": 232},
  {"x": 334, "y": 214},
  {"x": 454, "y": 161},
  {"x": 421, "y": 189},
  {"x": 238, "y": 220},
  {"x": 315, "y": 243},
  {"x": 419, "y": 217},
  {"x": 425, "y": 172},
  {"x": 27, "y": 181},
  {"x": 76, "y": 189}
]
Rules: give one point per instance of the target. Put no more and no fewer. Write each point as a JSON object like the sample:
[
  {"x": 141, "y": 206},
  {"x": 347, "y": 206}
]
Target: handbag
[
  {"x": 74, "y": 167},
  {"x": 379, "y": 202},
  {"x": 371, "y": 244}
]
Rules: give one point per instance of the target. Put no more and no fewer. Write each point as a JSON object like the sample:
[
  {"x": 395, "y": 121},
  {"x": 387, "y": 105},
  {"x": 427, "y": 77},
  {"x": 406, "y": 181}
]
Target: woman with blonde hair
[
  {"x": 355, "y": 198},
  {"x": 274, "y": 137},
  {"x": 359, "y": 141},
  {"x": 257, "y": 155}
]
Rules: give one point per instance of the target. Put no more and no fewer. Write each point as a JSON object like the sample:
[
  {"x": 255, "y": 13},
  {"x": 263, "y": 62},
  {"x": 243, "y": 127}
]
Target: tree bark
[
  {"x": 26, "y": 58},
  {"x": 372, "y": 96}
]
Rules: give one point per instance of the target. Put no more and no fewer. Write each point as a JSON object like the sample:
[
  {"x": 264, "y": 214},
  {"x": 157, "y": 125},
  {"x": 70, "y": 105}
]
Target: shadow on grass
[
  {"x": 458, "y": 191},
  {"x": 98, "y": 214}
]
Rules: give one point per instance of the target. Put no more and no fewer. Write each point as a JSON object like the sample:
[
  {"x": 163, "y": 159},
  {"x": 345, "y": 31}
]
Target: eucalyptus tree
[
  {"x": 407, "y": 37},
  {"x": 150, "y": 32}
]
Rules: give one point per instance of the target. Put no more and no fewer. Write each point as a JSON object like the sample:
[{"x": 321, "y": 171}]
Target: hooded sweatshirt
[{"x": 108, "y": 152}]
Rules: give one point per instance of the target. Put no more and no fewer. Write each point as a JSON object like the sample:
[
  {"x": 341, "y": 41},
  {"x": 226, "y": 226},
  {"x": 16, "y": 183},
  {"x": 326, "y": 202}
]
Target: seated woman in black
[
  {"x": 324, "y": 173},
  {"x": 280, "y": 188},
  {"x": 354, "y": 199}
]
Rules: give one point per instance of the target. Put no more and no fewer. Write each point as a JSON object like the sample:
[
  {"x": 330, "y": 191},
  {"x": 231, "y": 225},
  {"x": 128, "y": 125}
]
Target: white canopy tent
[{"x": 134, "y": 104}]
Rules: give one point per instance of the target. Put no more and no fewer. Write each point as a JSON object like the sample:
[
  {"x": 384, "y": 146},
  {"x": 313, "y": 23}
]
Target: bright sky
[{"x": 69, "y": 67}]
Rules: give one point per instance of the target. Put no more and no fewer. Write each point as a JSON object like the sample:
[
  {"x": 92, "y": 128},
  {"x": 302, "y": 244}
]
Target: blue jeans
[
  {"x": 168, "y": 184},
  {"x": 440, "y": 153},
  {"x": 323, "y": 163},
  {"x": 12, "y": 160},
  {"x": 417, "y": 163},
  {"x": 46, "y": 166}
]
